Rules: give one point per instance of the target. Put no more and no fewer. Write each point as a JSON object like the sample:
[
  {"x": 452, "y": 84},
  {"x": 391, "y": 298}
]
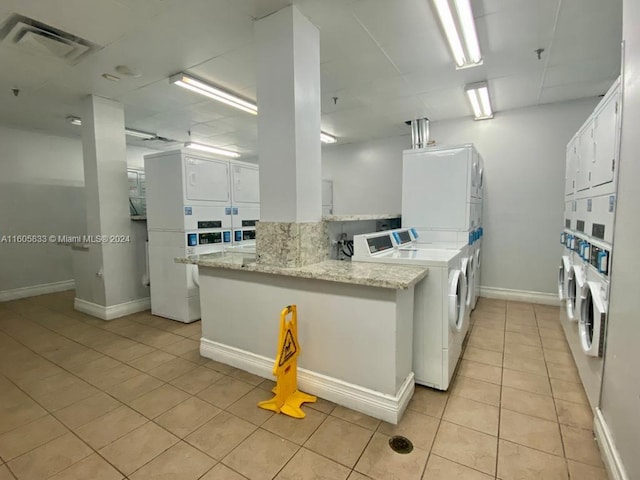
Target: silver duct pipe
[{"x": 419, "y": 132}]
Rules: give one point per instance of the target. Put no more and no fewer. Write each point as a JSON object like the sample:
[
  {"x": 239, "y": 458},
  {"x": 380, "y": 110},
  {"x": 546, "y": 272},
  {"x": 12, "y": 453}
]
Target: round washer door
[
  {"x": 467, "y": 269},
  {"x": 457, "y": 299},
  {"x": 575, "y": 291},
  {"x": 563, "y": 272},
  {"x": 592, "y": 318},
  {"x": 561, "y": 277}
]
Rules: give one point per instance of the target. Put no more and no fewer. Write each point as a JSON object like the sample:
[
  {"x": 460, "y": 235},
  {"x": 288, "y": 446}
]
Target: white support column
[
  {"x": 290, "y": 232},
  {"x": 289, "y": 117},
  {"x": 106, "y": 274}
]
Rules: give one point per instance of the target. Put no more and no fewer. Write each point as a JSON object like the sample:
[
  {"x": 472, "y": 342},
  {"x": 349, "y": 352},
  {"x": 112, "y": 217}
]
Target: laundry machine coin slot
[
  {"x": 567, "y": 223},
  {"x": 580, "y": 225},
  {"x": 208, "y": 238}
]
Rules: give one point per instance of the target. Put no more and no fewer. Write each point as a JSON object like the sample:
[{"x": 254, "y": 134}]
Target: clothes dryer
[{"x": 440, "y": 313}]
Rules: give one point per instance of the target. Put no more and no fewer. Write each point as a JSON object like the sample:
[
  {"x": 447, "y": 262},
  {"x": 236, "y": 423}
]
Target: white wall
[
  {"x": 42, "y": 193},
  {"x": 524, "y": 154},
  {"x": 367, "y": 177},
  {"x": 620, "y": 402}
]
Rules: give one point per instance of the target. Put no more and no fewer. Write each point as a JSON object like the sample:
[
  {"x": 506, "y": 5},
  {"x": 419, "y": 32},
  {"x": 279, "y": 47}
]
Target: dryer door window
[
  {"x": 592, "y": 314},
  {"x": 457, "y": 297}
]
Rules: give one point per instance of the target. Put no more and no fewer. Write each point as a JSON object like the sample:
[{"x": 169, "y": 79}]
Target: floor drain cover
[{"x": 400, "y": 444}]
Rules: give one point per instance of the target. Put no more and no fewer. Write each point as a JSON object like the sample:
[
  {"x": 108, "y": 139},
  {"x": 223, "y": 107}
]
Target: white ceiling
[{"x": 385, "y": 60}]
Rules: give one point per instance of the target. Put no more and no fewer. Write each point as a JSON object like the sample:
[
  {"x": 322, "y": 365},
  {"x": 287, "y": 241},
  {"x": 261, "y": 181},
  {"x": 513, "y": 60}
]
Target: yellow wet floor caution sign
[{"x": 288, "y": 399}]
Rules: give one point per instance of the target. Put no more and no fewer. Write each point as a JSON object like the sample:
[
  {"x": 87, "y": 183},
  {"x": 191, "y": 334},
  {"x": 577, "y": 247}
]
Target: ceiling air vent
[{"x": 36, "y": 38}]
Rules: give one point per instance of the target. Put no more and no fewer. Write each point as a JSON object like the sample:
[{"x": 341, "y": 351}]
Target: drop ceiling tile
[
  {"x": 446, "y": 103},
  {"x": 584, "y": 73},
  {"x": 389, "y": 21},
  {"x": 575, "y": 90},
  {"x": 515, "y": 91},
  {"x": 359, "y": 69},
  {"x": 344, "y": 99},
  {"x": 419, "y": 52},
  {"x": 229, "y": 75}
]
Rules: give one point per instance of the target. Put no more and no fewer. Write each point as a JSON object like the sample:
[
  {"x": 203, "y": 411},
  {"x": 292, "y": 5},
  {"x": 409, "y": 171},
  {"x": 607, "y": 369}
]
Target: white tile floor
[{"x": 81, "y": 398}]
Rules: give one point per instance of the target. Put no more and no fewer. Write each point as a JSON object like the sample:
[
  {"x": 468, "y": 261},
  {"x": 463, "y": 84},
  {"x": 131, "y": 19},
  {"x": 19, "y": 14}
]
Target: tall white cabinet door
[
  {"x": 571, "y": 167},
  {"x": 245, "y": 183},
  {"x": 585, "y": 156},
  {"x": 605, "y": 138},
  {"x": 206, "y": 179}
]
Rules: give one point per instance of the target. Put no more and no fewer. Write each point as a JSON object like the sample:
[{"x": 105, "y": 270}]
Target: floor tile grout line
[
  {"x": 52, "y": 413},
  {"x": 504, "y": 340}
]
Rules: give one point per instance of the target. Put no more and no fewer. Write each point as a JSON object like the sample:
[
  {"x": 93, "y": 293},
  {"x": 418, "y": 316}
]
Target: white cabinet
[
  {"x": 571, "y": 167},
  {"x": 605, "y": 135},
  {"x": 585, "y": 156}
]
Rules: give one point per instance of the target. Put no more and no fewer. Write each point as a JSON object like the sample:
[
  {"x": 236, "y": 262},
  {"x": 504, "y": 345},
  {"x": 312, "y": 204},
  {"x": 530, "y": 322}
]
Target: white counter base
[
  {"x": 372, "y": 403},
  {"x": 355, "y": 340}
]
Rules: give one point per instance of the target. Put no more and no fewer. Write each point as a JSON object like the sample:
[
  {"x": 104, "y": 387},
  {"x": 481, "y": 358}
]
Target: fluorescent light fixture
[
  {"x": 215, "y": 93},
  {"x": 478, "y": 94},
  {"x": 326, "y": 138},
  {"x": 465, "y": 23},
  {"x": 74, "y": 121},
  {"x": 140, "y": 134},
  {"x": 129, "y": 131},
  {"x": 208, "y": 148},
  {"x": 190, "y": 83}
]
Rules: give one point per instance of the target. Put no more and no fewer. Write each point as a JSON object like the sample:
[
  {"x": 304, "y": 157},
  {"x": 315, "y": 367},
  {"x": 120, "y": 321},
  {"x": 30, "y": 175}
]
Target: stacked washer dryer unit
[
  {"x": 442, "y": 197},
  {"x": 587, "y": 237},
  {"x": 196, "y": 204},
  {"x": 440, "y": 320}
]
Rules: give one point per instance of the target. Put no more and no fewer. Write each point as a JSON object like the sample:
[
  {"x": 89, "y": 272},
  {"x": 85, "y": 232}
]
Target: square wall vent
[{"x": 36, "y": 38}]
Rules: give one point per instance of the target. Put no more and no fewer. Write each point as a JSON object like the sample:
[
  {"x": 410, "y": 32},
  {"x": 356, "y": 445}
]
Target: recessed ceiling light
[
  {"x": 465, "y": 23},
  {"x": 211, "y": 149},
  {"x": 108, "y": 76},
  {"x": 478, "y": 95},
  {"x": 326, "y": 138},
  {"x": 127, "y": 71}
]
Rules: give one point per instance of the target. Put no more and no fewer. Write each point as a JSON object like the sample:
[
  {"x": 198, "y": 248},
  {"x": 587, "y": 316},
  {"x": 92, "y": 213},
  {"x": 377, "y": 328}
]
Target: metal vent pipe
[{"x": 419, "y": 132}]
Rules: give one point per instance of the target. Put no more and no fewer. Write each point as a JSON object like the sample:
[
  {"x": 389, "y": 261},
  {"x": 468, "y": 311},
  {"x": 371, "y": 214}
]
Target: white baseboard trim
[
  {"x": 35, "y": 290},
  {"x": 114, "y": 311},
  {"x": 608, "y": 450},
  {"x": 376, "y": 404},
  {"x": 520, "y": 295}
]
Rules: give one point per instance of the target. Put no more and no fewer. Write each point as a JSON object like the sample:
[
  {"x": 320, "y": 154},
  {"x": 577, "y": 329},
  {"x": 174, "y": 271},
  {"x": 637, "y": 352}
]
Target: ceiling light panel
[
  {"x": 211, "y": 149},
  {"x": 457, "y": 28},
  {"x": 478, "y": 95}
]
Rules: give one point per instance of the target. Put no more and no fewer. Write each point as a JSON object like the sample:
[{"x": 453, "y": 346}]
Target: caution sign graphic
[{"x": 288, "y": 398}]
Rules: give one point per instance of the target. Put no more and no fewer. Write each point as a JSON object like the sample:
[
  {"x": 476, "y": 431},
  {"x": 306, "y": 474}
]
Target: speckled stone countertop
[
  {"x": 396, "y": 277},
  {"x": 358, "y": 217}
]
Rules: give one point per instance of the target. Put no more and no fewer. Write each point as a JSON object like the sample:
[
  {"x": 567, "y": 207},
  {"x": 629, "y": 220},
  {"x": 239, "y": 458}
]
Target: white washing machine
[
  {"x": 593, "y": 313},
  {"x": 430, "y": 240},
  {"x": 440, "y": 313}
]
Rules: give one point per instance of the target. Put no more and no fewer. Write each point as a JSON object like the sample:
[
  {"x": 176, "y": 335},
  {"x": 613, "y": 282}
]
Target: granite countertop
[
  {"x": 396, "y": 277},
  {"x": 357, "y": 217}
]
